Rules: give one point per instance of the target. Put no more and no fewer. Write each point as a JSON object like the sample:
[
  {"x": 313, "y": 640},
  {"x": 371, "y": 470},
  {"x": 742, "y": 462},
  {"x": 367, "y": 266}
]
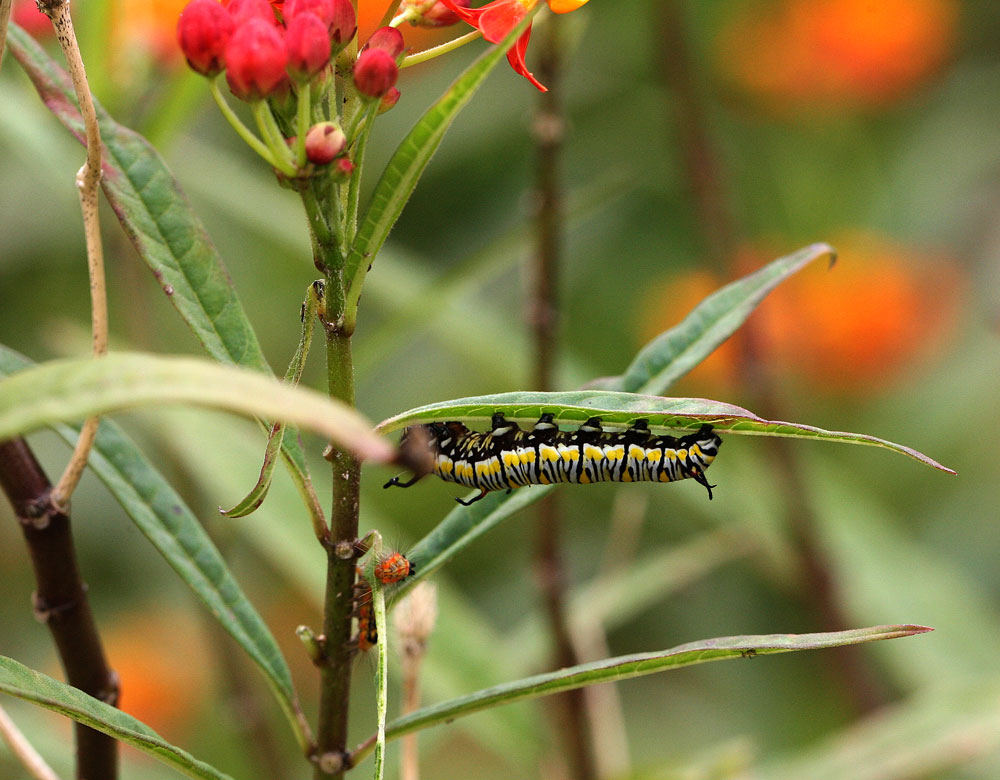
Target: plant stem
[
  {"x": 23, "y": 750},
  {"x": 335, "y": 676},
  {"x": 549, "y": 131},
  {"x": 5, "y": 6},
  {"x": 241, "y": 129},
  {"x": 60, "y": 600},
  {"x": 88, "y": 178},
  {"x": 701, "y": 164},
  {"x": 437, "y": 51},
  {"x": 705, "y": 172},
  {"x": 302, "y": 122}
]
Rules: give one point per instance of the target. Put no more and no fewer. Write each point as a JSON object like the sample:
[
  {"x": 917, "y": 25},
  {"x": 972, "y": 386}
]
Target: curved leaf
[
  {"x": 408, "y": 162},
  {"x": 619, "y": 410},
  {"x": 171, "y": 527},
  {"x": 674, "y": 352},
  {"x": 166, "y": 232},
  {"x": 24, "y": 683},
  {"x": 84, "y": 387},
  {"x": 628, "y": 666},
  {"x": 276, "y": 434}
]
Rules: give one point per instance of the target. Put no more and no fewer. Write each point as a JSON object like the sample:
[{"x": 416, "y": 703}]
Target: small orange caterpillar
[
  {"x": 367, "y": 632},
  {"x": 393, "y": 567}
]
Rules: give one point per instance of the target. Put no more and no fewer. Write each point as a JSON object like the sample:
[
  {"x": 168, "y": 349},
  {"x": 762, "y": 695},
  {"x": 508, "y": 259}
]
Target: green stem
[
  {"x": 335, "y": 678},
  {"x": 302, "y": 123},
  {"x": 437, "y": 51},
  {"x": 241, "y": 129},
  {"x": 381, "y": 660},
  {"x": 273, "y": 138},
  {"x": 317, "y": 220},
  {"x": 354, "y": 186},
  {"x": 390, "y": 12}
]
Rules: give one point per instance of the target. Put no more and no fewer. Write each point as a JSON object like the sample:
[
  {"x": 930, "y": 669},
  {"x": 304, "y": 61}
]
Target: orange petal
[{"x": 565, "y": 6}]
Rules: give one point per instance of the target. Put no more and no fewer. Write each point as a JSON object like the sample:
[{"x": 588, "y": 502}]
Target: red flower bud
[
  {"x": 342, "y": 169},
  {"x": 389, "y": 99},
  {"x": 345, "y": 22},
  {"x": 244, "y": 10},
  {"x": 255, "y": 60},
  {"x": 322, "y": 8},
  {"x": 388, "y": 39},
  {"x": 338, "y": 16},
  {"x": 308, "y": 44},
  {"x": 203, "y": 30},
  {"x": 375, "y": 73},
  {"x": 324, "y": 142}
]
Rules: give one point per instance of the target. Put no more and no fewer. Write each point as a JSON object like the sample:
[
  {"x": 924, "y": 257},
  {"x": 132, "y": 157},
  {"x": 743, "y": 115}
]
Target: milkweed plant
[{"x": 300, "y": 89}]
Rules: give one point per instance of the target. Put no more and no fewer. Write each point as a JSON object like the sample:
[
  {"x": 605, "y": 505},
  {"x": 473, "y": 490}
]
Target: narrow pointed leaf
[
  {"x": 276, "y": 435},
  {"x": 24, "y": 683},
  {"x": 676, "y": 351},
  {"x": 166, "y": 232},
  {"x": 170, "y": 525},
  {"x": 629, "y": 666},
  {"x": 619, "y": 410},
  {"x": 64, "y": 390},
  {"x": 411, "y": 157}
]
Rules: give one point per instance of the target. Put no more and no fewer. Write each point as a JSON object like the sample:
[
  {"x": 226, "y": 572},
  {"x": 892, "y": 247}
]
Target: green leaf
[
  {"x": 74, "y": 389},
  {"x": 276, "y": 435},
  {"x": 629, "y": 666},
  {"x": 167, "y": 522},
  {"x": 24, "y": 683},
  {"x": 408, "y": 162},
  {"x": 673, "y": 353},
  {"x": 166, "y": 232},
  {"x": 622, "y": 409}
]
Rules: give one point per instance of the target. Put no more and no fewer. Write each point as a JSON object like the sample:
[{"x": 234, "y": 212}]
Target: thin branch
[
  {"x": 23, "y": 750},
  {"x": 88, "y": 178},
  {"x": 414, "y": 620},
  {"x": 549, "y": 130},
  {"x": 60, "y": 600},
  {"x": 705, "y": 172},
  {"x": 4, "y": 18}
]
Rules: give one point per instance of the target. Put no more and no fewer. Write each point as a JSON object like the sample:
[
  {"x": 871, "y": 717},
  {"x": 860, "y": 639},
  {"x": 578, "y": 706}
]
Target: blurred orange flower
[
  {"x": 856, "y": 328},
  {"x": 164, "y": 667},
  {"x": 837, "y": 52},
  {"x": 370, "y": 15},
  {"x": 146, "y": 29}
]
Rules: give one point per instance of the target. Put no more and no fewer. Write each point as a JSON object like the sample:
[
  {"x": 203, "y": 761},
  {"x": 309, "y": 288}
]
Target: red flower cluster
[{"x": 256, "y": 49}]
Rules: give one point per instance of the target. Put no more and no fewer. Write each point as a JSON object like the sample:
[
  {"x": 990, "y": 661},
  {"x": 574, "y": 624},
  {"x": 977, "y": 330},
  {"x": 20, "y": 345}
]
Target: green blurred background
[{"x": 870, "y": 126}]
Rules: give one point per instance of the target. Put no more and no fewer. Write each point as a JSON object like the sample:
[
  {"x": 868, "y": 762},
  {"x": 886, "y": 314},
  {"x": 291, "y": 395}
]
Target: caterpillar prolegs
[{"x": 507, "y": 456}]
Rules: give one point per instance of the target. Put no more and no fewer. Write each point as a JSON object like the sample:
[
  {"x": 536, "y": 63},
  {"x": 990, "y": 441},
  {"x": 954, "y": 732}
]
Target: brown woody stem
[
  {"x": 60, "y": 600},
  {"x": 549, "y": 130}
]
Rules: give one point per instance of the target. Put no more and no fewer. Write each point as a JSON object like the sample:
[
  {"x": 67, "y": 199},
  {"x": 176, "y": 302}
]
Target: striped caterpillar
[{"x": 507, "y": 457}]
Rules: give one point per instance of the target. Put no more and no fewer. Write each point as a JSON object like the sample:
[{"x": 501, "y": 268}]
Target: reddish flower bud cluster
[
  {"x": 256, "y": 49},
  {"x": 377, "y": 67}
]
